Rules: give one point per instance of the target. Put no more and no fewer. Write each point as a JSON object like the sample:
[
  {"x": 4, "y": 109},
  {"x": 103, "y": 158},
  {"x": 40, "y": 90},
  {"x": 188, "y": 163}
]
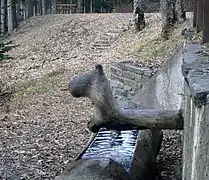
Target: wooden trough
[{"x": 128, "y": 148}]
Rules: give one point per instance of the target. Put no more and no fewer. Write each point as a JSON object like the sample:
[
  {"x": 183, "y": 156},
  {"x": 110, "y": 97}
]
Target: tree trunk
[
  {"x": 30, "y": 8},
  {"x": 38, "y": 6},
  {"x": 107, "y": 112},
  {"x": 53, "y": 4},
  {"x": 139, "y": 15},
  {"x": 180, "y": 11},
  {"x": 35, "y": 8},
  {"x": 25, "y": 7},
  {"x": 5, "y": 17},
  {"x": 199, "y": 26},
  {"x": 19, "y": 14},
  {"x": 172, "y": 11},
  {"x": 195, "y": 13},
  {"x": 14, "y": 14},
  {"x": 79, "y": 6},
  {"x": 48, "y": 6},
  {"x": 168, "y": 17},
  {"x": 206, "y": 22},
  {"x": 1, "y": 18},
  {"x": 9, "y": 15},
  {"x": 43, "y": 5}
]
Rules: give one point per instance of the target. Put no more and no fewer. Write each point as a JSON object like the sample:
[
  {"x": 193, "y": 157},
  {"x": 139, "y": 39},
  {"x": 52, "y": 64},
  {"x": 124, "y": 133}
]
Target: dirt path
[{"x": 43, "y": 128}]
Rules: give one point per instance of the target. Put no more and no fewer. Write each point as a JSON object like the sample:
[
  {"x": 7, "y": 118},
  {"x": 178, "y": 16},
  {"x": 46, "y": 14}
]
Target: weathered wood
[
  {"x": 93, "y": 169},
  {"x": 95, "y": 86}
]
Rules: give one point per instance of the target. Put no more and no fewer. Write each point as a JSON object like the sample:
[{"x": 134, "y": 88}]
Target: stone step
[
  {"x": 101, "y": 41},
  {"x": 112, "y": 34},
  {"x": 97, "y": 55},
  {"x": 100, "y": 45}
]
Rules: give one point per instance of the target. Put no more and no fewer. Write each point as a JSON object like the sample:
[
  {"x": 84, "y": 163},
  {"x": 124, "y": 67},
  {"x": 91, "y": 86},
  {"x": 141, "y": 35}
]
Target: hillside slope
[{"x": 42, "y": 127}]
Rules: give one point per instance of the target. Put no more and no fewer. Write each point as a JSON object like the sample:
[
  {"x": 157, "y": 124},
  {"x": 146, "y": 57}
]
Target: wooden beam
[{"x": 107, "y": 112}]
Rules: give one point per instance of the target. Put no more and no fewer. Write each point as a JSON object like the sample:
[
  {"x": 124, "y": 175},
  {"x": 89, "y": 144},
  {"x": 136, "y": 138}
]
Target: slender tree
[
  {"x": 9, "y": 15},
  {"x": 5, "y": 15},
  {"x": 79, "y": 6},
  {"x": 30, "y": 8},
  {"x": 139, "y": 15},
  {"x": 199, "y": 26},
  {"x": 206, "y": 22},
  {"x": 195, "y": 13},
  {"x": 43, "y": 5},
  {"x": 14, "y": 13},
  {"x": 18, "y": 10},
  {"x": 53, "y": 6}
]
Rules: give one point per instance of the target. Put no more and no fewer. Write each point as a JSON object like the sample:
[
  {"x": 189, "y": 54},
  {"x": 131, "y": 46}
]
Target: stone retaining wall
[
  {"x": 127, "y": 78},
  {"x": 196, "y": 113}
]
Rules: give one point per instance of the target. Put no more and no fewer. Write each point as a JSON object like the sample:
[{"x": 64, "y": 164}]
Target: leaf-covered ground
[{"x": 42, "y": 127}]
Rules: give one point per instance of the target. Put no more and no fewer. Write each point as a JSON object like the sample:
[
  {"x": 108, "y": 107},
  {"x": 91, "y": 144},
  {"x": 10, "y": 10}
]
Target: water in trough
[{"x": 116, "y": 145}]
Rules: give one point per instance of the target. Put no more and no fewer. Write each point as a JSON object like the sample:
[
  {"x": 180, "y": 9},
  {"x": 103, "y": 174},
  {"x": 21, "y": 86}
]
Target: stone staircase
[{"x": 104, "y": 41}]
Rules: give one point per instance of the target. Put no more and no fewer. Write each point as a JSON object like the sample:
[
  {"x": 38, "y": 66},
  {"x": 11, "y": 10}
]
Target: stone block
[
  {"x": 114, "y": 77},
  {"x": 116, "y": 84},
  {"x": 127, "y": 88},
  {"x": 116, "y": 71},
  {"x": 138, "y": 77},
  {"x": 148, "y": 73},
  {"x": 131, "y": 83},
  {"x": 128, "y": 75},
  {"x": 119, "y": 92}
]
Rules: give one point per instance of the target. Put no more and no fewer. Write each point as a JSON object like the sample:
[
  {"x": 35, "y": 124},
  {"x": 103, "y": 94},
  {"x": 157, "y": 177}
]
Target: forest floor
[{"x": 42, "y": 127}]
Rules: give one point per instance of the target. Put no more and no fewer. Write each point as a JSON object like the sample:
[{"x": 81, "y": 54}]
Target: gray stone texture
[
  {"x": 127, "y": 78},
  {"x": 196, "y": 112}
]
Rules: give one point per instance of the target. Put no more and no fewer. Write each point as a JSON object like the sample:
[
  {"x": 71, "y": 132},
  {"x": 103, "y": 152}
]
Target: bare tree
[
  {"x": 18, "y": 10},
  {"x": 14, "y": 13},
  {"x": 4, "y": 17},
  {"x": 195, "y": 13},
  {"x": 43, "y": 6},
  {"x": 199, "y": 20},
  {"x": 173, "y": 11},
  {"x": 53, "y": 6},
  {"x": 79, "y": 5},
  {"x": 139, "y": 15},
  {"x": 30, "y": 8},
  {"x": 206, "y": 22}
]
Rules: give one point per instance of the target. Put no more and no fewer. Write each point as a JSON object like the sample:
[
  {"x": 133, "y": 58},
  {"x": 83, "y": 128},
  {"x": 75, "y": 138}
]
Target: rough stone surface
[
  {"x": 162, "y": 92},
  {"x": 196, "y": 71},
  {"x": 196, "y": 112},
  {"x": 128, "y": 78}
]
